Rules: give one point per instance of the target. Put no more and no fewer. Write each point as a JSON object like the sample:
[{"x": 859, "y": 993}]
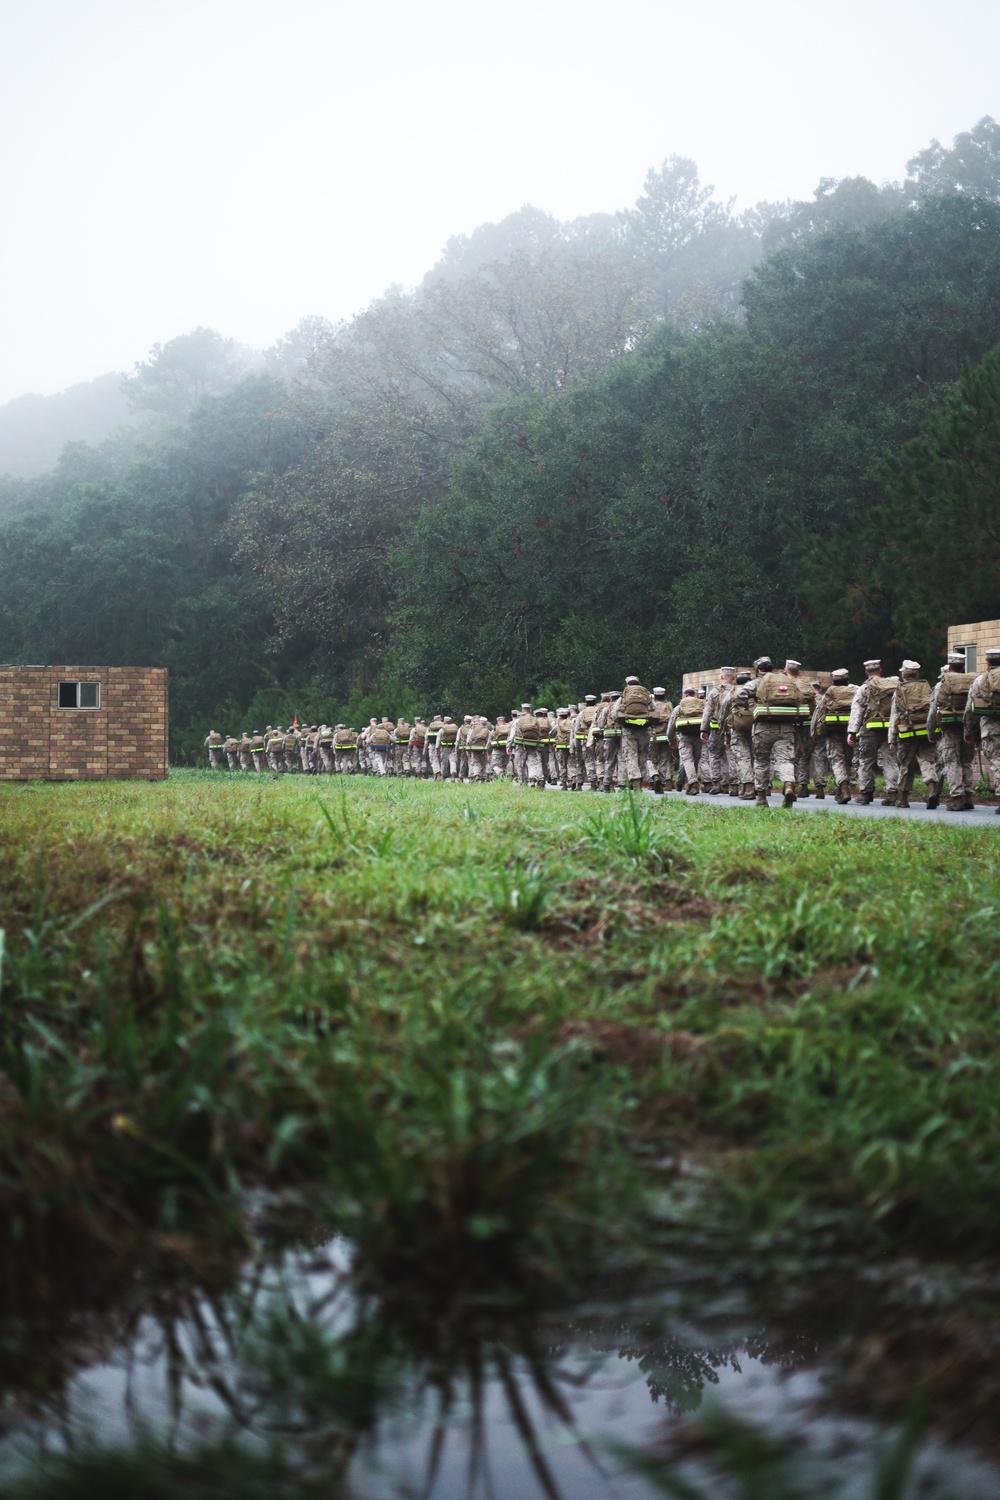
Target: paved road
[{"x": 981, "y": 816}]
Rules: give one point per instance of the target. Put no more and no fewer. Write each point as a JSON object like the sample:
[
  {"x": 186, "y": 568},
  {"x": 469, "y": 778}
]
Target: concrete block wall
[
  {"x": 980, "y": 635},
  {"x": 126, "y": 737}
]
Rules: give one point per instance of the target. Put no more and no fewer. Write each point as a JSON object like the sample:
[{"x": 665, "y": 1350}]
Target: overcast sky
[{"x": 241, "y": 163}]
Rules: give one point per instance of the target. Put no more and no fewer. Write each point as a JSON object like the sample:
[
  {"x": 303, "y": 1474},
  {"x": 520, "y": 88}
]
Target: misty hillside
[
  {"x": 35, "y": 429},
  {"x": 702, "y": 434}
]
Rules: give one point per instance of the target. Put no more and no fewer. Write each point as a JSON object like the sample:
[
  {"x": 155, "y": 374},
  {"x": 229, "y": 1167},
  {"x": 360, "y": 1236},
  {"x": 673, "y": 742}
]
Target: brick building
[
  {"x": 83, "y": 723},
  {"x": 973, "y": 641}
]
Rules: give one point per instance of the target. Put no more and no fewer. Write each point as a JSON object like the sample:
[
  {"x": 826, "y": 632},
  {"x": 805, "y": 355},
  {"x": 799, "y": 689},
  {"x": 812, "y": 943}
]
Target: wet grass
[
  {"x": 499, "y": 1040},
  {"x": 442, "y": 1007}
]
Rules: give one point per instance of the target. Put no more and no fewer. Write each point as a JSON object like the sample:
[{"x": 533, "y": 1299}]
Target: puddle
[{"x": 478, "y": 1400}]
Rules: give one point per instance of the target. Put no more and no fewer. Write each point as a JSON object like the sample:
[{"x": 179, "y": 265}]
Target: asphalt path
[{"x": 983, "y": 815}]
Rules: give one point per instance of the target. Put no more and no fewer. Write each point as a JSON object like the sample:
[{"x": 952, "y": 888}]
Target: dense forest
[{"x": 644, "y": 441}]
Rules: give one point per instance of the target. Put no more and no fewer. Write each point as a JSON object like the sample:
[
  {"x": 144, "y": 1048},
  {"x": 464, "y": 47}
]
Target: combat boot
[
  {"x": 889, "y": 800},
  {"x": 761, "y": 799},
  {"x": 933, "y": 795},
  {"x": 843, "y": 793},
  {"x": 734, "y": 789},
  {"x": 693, "y": 788},
  {"x": 668, "y": 786},
  {"x": 866, "y": 797},
  {"x": 788, "y": 799},
  {"x": 714, "y": 789},
  {"x": 746, "y": 794},
  {"x": 820, "y": 793},
  {"x": 968, "y": 805},
  {"x": 956, "y": 804},
  {"x": 800, "y": 791},
  {"x": 903, "y": 800}
]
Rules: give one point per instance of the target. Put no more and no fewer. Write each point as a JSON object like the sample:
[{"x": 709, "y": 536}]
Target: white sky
[{"x": 241, "y": 163}]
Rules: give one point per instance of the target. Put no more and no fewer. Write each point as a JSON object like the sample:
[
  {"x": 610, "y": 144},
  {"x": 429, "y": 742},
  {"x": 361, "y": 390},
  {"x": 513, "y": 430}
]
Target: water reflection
[{"x": 379, "y": 1393}]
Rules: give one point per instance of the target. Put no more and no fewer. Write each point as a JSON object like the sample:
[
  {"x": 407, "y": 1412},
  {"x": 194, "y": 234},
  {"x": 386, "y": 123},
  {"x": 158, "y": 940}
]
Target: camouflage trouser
[
  {"x": 215, "y": 757},
  {"x": 659, "y": 762},
  {"x": 245, "y": 762},
  {"x": 592, "y": 772},
  {"x": 534, "y": 774},
  {"x": 419, "y": 762},
  {"x": 838, "y": 755},
  {"x": 689, "y": 756},
  {"x": 773, "y": 754},
  {"x": 612, "y": 750},
  {"x": 291, "y": 761},
  {"x": 820, "y": 765},
  {"x": 233, "y": 759},
  {"x": 597, "y": 749},
  {"x": 258, "y": 759},
  {"x": 956, "y": 761},
  {"x": 380, "y": 759},
  {"x": 345, "y": 760},
  {"x": 477, "y": 764},
  {"x": 803, "y": 754},
  {"x": 577, "y": 771},
  {"x": 499, "y": 761},
  {"x": 741, "y": 755},
  {"x": 563, "y": 753},
  {"x": 326, "y": 758},
  {"x": 873, "y": 747},
  {"x": 548, "y": 758},
  {"x": 909, "y": 755},
  {"x": 989, "y": 730},
  {"x": 521, "y": 763},
  {"x": 714, "y": 759},
  {"x": 275, "y": 760},
  {"x": 634, "y": 752},
  {"x": 448, "y": 761}
]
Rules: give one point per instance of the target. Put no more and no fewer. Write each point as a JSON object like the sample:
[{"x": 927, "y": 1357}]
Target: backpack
[
  {"x": 913, "y": 699},
  {"x": 479, "y": 736},
  {"x": 346, "y": 739},
  {"x": 953, "y": 694},
  {"x": 380, "y": 736},
  {"x": 635, "y": 703},
  {"x": 880, "y": 691},
  {"x": 689, "y": 712},
  {"x": 777, "y": 691},
  {"x": 448, "y": 734},
  {"x": 836, "y": 710},
  {"x": 529, "y": 730},
  {"x": 738, "y": 712},
  {"x": 587, "y": 716},
  {"x": 401, "y": 734},
  {"x": 987, "y": 700}
]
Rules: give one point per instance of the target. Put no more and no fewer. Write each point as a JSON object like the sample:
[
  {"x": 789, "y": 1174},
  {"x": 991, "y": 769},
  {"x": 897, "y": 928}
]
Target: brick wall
[
  {"x": 125, "y": 737},
  {"x": 982, "y": 634}
]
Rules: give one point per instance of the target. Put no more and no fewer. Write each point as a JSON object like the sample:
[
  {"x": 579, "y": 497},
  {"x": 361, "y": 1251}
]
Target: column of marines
[{"x": 739, "y": 736}]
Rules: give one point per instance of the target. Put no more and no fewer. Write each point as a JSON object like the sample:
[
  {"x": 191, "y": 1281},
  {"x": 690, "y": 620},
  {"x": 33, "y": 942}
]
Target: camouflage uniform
[
  {"x": 946, "y": 731},
  {"x": 684, "y": 729},
  {"x": 873, "y": 743},
  {"x": 633, "y": 722},
  {"x": 987, "y": 719},
  {"x": 908, "y": 734},
  {"x": 660, "y": 760},
  {"x": 713, "y": 735},
  {"x": 214, "y": 745}
]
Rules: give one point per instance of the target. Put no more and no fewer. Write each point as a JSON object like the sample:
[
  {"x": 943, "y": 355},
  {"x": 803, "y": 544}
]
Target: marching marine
[
  {"x": 983, "y": 711},
  {"x": 868, "y": 728},
  {"x": 908, "y": 734},
  {"x": 946, "y": 732}
]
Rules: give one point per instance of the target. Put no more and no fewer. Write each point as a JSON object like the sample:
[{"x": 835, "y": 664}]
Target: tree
[
  {"x": 972, "y": 165},
  {"x": 184, "y": 371}
]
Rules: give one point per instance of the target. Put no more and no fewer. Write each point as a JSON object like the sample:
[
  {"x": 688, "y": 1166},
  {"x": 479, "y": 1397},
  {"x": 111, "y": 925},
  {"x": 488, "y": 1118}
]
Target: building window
[
  {"x": 79, "y": 695},
  {"x": 971, "y": 657}
]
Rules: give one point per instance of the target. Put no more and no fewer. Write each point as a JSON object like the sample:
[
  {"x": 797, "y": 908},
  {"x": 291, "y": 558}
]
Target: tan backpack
[
  {"x": 987, "y": 700},
  {"x": 587, "y": 716},
  {"x": 836, "y": 707},
  {"x": 529, "y": 729},
  {"x": 953, "y": 694},
  {"x": 780, "y": 695},
  {"x": 880, "y": 691},
  {"x": 478, "y": 736},
  {"x": 346, "y": 739},
  {"x": 448, "y": 735},
  {"x": 689, "y": 712},
  {"x": 634, "y": 704},
  {"x": 738, "y": 712},
  {"x": 913, "y": 698}
]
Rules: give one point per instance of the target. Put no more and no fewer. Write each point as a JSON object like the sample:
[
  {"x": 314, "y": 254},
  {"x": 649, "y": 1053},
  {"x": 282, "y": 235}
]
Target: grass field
[
  {"x": 492, "y": 1035},
  {"x": 202, "y": 979}
]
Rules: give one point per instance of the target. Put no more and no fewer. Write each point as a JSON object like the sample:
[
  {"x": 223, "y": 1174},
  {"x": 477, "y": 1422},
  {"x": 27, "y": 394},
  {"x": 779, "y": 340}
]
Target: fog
[{"x": 239, "y": 165}]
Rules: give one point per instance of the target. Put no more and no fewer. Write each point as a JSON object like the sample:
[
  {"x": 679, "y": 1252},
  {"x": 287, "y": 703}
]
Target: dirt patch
[
  {"x": 591, "y": 908},
  {"x": 636, "y": 1046}
]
